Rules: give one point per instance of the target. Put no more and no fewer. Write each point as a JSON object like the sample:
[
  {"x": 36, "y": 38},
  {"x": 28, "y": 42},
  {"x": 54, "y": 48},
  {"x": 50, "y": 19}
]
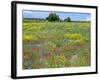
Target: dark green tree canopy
[
  {"x": 53, "y": 17},
  {"x": 68, "y": 19}
]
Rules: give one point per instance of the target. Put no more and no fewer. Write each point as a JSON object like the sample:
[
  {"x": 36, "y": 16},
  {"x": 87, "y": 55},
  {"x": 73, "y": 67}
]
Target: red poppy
[{"x": 35, "y": 49}]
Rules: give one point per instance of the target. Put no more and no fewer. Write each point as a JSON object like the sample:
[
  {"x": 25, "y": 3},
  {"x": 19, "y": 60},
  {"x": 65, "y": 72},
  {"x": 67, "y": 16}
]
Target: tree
[
  {"x": 68, "y": 19},
  {"x": 53, "y": 17}
]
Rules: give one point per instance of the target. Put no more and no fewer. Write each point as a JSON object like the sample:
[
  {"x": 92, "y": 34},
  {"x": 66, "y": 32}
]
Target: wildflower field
[{"x": 56, "y": 44}]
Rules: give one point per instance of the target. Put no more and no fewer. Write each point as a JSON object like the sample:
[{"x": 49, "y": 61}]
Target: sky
[{"x": 62, "y": 15}]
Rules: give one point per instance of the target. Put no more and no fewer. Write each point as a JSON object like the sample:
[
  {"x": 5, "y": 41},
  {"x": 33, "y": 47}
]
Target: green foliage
[
  {"x": 53, "y": 17},
  {"x": 57, "y": 42},
  {"x": 54, "y": 61},
  {"x": 31, "y": 58},
  {"x": 50, "y": 45},
  {"x": 68, "y": 19}
]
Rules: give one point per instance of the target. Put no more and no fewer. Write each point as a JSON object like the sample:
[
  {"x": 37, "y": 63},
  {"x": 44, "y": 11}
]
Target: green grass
[{"x": 54, "y": 44}]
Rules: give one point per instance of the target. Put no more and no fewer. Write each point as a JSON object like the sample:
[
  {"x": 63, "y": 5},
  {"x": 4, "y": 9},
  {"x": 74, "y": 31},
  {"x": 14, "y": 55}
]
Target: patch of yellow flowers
[
  {"x": 76, "y": 38},
  {"x": 29, "y": 38}
]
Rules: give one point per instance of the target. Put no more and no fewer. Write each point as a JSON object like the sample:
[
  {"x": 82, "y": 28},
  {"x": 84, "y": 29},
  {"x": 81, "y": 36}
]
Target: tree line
[
  {"x": 51, "y": 17},
  {"x": 55, "y": 17}
]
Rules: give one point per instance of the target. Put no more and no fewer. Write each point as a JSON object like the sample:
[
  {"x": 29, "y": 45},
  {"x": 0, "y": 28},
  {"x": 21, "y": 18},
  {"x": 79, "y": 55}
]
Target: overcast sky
[{"x": 62, "y": 15}]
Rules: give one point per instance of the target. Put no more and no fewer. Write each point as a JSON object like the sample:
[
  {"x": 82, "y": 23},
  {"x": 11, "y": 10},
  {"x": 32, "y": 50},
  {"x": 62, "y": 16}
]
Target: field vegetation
[{"x": 53, "y": 43}]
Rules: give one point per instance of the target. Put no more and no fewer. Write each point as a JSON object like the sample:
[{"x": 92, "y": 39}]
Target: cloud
[
  {"x": 27, "y": 12},
  {"x": 88, "y": 19},
  {"x": 35, "y": 14}
]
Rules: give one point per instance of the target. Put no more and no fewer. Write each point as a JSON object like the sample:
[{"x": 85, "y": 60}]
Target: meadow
[{"x": 56, "y": 44}]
